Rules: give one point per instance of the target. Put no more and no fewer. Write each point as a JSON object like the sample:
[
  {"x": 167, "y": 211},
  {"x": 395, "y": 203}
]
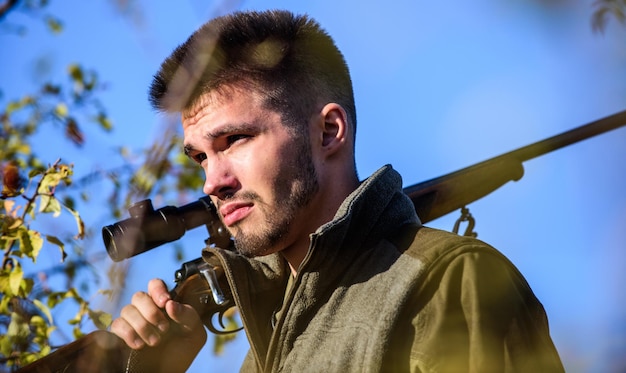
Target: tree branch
[{"x": 6, "y": 7}]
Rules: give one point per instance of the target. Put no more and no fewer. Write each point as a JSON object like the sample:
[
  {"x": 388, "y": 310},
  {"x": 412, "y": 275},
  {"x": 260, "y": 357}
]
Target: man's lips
[{"x": 234, "y": 211}]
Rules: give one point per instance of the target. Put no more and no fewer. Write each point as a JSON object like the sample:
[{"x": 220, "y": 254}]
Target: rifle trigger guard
[{"x": 465, "y": 216}]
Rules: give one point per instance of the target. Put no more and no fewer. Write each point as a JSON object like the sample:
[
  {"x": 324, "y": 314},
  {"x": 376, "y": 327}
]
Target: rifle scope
[{"x": 148, "y": 228}]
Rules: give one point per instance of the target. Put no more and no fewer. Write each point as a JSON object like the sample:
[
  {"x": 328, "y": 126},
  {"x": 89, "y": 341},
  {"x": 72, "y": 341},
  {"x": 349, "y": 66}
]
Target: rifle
[
  {"x": 201, "y": 284},
  {"x": 442, "y": 195}
]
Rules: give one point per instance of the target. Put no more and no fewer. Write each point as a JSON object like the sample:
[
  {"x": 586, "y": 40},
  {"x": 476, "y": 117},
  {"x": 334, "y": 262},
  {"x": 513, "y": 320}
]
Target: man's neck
[{"x": 297, "y": 252}]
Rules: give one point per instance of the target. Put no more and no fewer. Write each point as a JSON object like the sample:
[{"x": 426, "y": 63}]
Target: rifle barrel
[
  {"x": 569, "y": 137},
  {"x": 442, "y": 195}
]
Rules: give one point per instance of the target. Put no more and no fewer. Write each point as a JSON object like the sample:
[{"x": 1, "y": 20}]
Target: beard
[{"x": 293, "y": 190}]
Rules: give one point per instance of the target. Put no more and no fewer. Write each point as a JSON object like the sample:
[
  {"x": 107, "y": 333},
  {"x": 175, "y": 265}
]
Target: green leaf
[
  {"x": 56, "y": 241},
  {"x": 104, "y": 122},
  {"x": 49, "y": 204},
  {"x": 45, "y": 310},
  {"x": 6, "y": 347},
  {"x": 54, "y": 25},
  {"x": 51, "y": 89},
  {"x": 17, "y": 105},
  {"x": 38, "y": 321},
  {"x": 61, "y": 110},
  {"x": 69, "y": 201},
  {"x": 27, "y": 285},
  {"x": 24, "y": 149},
  {"x": 36, "y": 242},
  {"x": 5, "y": 288},
  {"x": 4, "y": 302},
  {"x": 101, "y": 319},
  {"x": 30, "y": 243},
  {"x": 18, "y": 329},
  {"x": 80, "y": 225},
  {"x": 76, "y": 72},
  {"x": 15, "y": 224},
  {"x": 53, "y": 177},
  {"x": 12, "y": 106},
  {"x": 15, "y": 280},
  {"x": 55, "y": 298},
  {"x": 78, "y": 333},
  {"x": 107, "y": 293},
  {"x": 72, "y": 293}
]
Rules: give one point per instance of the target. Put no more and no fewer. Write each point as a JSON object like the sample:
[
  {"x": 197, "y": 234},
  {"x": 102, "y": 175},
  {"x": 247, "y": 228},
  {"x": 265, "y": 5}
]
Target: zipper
[{"x": 275, "y": 339}]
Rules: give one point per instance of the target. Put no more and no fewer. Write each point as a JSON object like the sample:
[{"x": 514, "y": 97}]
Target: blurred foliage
[
  {"x": 40, "y": 201},
  {"x": 35, "y": 8},
  {"x": 32, "y": 189},
  {"x": 604, "y": 10},
  {"x": 27, "y": 302}
]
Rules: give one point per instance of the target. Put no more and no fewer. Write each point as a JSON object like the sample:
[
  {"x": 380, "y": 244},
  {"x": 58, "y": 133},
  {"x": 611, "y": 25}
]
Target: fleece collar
[{"x": 376, "y": 209}]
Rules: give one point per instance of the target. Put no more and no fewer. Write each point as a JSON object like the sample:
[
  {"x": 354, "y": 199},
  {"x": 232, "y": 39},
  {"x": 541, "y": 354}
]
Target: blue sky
[{"x": 439, "y": 86}]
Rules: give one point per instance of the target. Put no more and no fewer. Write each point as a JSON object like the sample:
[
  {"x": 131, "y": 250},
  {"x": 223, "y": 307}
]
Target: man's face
[{"x": 259, "y": 174}]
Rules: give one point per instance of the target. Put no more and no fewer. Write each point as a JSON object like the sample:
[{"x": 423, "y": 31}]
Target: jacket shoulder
[{"x": 431, "y": 245}]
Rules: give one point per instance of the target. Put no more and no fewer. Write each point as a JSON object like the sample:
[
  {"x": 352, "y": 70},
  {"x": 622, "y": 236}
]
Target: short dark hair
[{"x": 287, "y": 58}]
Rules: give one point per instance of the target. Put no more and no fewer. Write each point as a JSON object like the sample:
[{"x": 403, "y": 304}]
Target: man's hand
[{"x": 154, "y": 319}]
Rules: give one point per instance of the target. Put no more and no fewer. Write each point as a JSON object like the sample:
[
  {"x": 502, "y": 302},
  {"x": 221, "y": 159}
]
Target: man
[{"x": 331, "y": 274}]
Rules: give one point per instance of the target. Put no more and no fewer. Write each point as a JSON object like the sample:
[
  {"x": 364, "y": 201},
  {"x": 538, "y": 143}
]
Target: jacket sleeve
[{"x": 476, "y": 313}]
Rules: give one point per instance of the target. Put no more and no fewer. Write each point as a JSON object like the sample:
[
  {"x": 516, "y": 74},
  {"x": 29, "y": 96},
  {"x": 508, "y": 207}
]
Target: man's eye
[
  {"x": 234, "y": 138},
  {"x": 200, "y": 157}
]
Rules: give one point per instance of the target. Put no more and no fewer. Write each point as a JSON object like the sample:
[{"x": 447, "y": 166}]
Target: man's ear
[{"x": 335, "y": 129}]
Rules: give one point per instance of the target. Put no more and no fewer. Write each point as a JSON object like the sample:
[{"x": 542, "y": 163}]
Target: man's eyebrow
[
  {"x": 231, "y": 128},
  {"x": 224, "y": 130},
  {"x": 188, "y": 149}
]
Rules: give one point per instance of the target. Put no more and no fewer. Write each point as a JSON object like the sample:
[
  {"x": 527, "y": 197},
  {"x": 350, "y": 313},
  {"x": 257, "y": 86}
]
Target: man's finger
[
  {"x": 185, "y": 316},
  {"x": 147, "y": 320},
  {"x": 122, "y": 329},
  {"x": 158, "y": 292}
]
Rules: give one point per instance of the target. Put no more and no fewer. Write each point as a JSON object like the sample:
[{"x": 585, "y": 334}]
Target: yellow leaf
[
  {"x": 54, "y": 25},
  {"x": 4, "y": 303},
  {"x": 15, "y": 224},
  {"x": 24, "y": 149},
  {"x": 50, "y": 204},
  {"x": 36, "y": 241},
  {"x": 61, "y": 110},
  {"x": 15, "y": 280},
  {"x": 6, "y": 347},
  {"x": 45, "y": 310},
  {"x": 104, "y": 122},
  {"x": 8, "y": 207},
  {"x": 75, "y": 72},
  {"x": 78, "y": 333},
  {"x": 56, "y": 241},
  {"x": 80, "y": 225},
  {"x": 101, "y": 319},
  {"x": 18, "y": 328},
  {"x": 30, "y": 243}
]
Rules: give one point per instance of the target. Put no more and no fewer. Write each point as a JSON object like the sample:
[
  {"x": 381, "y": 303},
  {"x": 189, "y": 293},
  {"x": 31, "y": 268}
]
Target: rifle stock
[
  {"x": 439, "y": 196},
  {"x": 97, "y": 351}
]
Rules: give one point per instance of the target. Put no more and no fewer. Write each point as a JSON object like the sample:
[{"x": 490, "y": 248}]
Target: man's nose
[{"x": 219, "y": 180}]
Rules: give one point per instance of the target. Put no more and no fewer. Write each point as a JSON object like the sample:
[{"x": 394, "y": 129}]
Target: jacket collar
[{"x": 376, "y": 209}]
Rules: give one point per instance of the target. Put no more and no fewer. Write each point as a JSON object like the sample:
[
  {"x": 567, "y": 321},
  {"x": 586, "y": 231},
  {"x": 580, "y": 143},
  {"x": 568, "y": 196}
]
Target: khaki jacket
[{"x": 378, "y": 292}]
